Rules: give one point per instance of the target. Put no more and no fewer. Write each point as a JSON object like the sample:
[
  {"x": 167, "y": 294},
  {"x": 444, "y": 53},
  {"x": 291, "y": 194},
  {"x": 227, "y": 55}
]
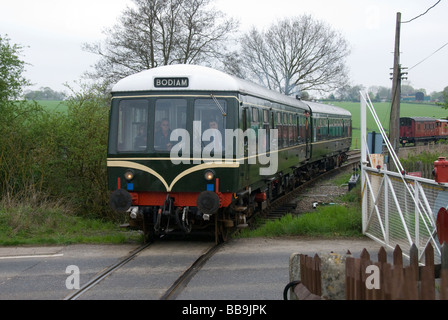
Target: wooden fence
[
  {"x": 396, "y": 281},
  {"x": 424, "y": 169},
  {"x": 310, "y": 287},
  {"x": 380, "y": 280}
]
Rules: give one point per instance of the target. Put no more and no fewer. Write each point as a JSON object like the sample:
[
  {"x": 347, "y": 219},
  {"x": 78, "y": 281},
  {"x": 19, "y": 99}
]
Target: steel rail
[
  {"x": 173, "y": 292},
  {"x": 102, "y": 275}
]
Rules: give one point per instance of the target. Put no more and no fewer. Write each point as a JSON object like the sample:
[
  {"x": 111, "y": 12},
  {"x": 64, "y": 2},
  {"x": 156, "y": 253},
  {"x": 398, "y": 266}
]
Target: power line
[
  {"x": 429, "y": 56},
  {"x": 422, "y": 13}
]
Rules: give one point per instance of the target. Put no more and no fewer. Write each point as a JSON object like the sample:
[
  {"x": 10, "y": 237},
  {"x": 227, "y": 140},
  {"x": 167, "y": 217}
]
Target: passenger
[
  {"x": 140, "y": 139},
  {"x": 162, "y": 139},
  {"x": 213, "y": 125},
  {"x": 217, "y": 143}
]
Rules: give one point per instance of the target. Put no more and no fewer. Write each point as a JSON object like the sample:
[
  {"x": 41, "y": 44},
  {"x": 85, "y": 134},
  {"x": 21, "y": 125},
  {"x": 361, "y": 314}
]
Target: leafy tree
[
  {"x": 17, "y": 119},
  {"x": 84, "y": 150},
  {"x": 44, "y": 93},
  {"x": 444, "y": 104},
  {"x": 12, "y": 68},
  {"x": 350, "y": 93}
]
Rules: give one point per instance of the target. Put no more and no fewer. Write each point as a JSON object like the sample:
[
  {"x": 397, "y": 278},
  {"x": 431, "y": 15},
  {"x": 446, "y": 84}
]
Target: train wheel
[
  {"x": 149, "y": 234},
  {"x": 223, "y": 232},
  {"x": 222, "y": 227}
]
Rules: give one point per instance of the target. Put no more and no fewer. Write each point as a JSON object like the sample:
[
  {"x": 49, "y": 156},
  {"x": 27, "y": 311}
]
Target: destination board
[{"x": 171, "y": 82}]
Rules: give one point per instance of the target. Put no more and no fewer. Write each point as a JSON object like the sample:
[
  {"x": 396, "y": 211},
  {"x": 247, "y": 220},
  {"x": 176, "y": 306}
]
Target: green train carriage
[{"x": 192, "y": 148}]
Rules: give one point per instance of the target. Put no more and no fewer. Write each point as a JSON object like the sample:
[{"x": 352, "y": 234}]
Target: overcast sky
[{"x": 54, "y": 30}]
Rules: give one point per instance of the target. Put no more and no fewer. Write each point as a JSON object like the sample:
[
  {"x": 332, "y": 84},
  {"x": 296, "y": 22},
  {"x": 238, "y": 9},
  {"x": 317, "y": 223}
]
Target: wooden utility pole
[{"x": 394, "y": 126}]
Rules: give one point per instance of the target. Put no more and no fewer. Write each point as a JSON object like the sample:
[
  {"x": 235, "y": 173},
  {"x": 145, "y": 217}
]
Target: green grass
[
  {"x": 50, "y": 224},
  {"x": 327, "y": 221},
  {"x": 341, "y": 220},
  {"x": 58, "y": 106}
]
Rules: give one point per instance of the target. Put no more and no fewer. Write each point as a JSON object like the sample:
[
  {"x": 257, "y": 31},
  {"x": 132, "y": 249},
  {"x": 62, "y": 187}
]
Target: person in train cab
[
  {"x": 162, "y": 139},
  {"x": 213, "y": 124},
  {"x": 140, "y": 139}
]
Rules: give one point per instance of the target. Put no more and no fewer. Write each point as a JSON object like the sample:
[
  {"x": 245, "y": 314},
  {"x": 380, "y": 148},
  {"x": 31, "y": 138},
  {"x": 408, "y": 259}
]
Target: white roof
[
  {"x": 325, "y": 109},
  {"x": 200, "y": 79}
]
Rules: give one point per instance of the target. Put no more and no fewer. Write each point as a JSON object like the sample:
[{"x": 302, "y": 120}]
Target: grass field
[{"x": 59, "y": 106}]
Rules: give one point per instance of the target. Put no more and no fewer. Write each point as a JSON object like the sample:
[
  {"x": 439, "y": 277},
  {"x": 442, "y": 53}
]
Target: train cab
[{"x": 442, "y": 128}]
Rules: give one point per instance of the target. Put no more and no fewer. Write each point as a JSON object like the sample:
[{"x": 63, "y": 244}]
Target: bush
[
  {"x": 57, "y": 156},
  {"x": 85, "y": 150},
  {"x": 20, "y": 175}
]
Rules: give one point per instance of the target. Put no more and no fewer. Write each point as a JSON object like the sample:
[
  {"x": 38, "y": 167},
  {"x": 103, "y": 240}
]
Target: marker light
[
  {"x": 209, "y": 175},
  {"x": 129, "y": 175}
]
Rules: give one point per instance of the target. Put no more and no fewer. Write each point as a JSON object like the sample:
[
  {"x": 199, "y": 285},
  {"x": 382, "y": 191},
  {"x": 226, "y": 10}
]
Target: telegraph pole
[{"x": 394, "y": 126}]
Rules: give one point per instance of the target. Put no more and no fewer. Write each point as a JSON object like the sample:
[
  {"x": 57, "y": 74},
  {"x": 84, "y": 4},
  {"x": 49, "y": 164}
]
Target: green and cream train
[{"x": 192, "y": 148}]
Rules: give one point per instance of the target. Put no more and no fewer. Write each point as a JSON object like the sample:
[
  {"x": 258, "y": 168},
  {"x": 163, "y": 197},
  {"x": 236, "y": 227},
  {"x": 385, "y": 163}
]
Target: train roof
[
  {"x": 419, "y": 119},
  {"x": 200, "y": 78},
  {"x": 183, "y": 77},
  {"x": 324, "y": 110}
]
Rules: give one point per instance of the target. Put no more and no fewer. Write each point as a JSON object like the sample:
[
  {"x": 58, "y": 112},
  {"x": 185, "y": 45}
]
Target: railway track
[
  {"x": 185, "y": 278},
  {"x": 170, "y": 294},
  {"x": 275, "y": 210},
  {"x": 104, "y": 274},
  {"x": 278, "y": 208}
]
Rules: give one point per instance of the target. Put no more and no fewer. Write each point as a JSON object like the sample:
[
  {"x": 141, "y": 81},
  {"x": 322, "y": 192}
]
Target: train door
[
  {"x": 267, "y": 128},
  {"x": 246, "y": 142},
  {"x": 308, "y": 134}
]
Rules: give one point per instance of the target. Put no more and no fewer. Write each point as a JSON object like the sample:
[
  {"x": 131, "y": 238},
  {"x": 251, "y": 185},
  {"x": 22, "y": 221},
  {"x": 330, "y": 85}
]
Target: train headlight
[
  {"x": 129, "y": 175},
  {"x": 209, "y": 175}
]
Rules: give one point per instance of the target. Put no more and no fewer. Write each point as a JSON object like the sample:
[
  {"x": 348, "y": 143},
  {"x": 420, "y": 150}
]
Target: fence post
[
  {"x": 398, "y": 257},
  {"x": 413, "y": 261},
  {"x": 444, "y": 273},
  {"x": 349, "y": 278},
  {"x": 427, "y": 275}
]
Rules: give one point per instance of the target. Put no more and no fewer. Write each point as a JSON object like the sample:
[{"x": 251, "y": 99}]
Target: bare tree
[
  {"x": 295, "y": 54},
  {"x": 153, "y": 33}
]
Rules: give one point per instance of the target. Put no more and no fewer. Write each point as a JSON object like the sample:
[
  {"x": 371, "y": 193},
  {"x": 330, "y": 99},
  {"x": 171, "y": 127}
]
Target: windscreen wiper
[{"x": 224, "y": 114}]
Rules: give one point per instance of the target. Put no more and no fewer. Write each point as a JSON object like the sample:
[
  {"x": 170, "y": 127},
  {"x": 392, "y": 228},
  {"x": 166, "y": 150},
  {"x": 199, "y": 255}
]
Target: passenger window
[
  {"x": 132, "y": 126},
  {"x": 279, "y": 127},
  {"x": 170, "y": 114},
  {"x": 255, "y": 115},
  {"x": 265, "y": 116},
  {"x": 210, "y": 115}
]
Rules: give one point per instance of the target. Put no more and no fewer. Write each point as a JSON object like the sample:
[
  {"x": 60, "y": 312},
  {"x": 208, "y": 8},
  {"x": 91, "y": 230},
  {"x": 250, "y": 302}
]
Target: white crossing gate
[{"x": 398, "y": 209}]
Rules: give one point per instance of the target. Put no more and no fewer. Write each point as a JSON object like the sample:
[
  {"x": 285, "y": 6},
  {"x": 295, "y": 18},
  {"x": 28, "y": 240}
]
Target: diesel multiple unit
[{"x": 192, "y": 148}]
